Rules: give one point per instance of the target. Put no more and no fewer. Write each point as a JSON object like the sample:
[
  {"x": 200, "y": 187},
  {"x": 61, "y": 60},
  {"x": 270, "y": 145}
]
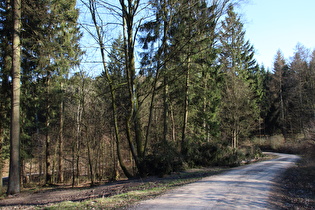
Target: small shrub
[
  {"x": 215, "y": 154},
  {"x": 204, "y": 154},
  {"x": 229, "y": 156},
  {"x": 163, "y": 160}
]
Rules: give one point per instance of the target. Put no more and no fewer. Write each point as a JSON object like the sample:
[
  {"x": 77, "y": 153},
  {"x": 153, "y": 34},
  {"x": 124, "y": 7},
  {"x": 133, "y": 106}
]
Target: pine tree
[{"x": 279, "y": 95}]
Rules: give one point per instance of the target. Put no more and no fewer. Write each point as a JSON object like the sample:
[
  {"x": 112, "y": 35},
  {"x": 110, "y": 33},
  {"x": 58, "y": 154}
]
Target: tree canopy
[{"x": 179, "y": 87}]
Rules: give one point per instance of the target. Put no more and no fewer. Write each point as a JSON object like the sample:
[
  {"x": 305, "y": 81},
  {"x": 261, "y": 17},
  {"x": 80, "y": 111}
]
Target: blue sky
[
  {"x": 278, "y": 24},
  {"x": 270, "y": 25}
]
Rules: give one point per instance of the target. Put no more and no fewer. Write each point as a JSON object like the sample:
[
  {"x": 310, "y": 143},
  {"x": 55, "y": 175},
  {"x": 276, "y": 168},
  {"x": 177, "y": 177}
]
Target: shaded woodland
[{"x": 179, "y": 87}]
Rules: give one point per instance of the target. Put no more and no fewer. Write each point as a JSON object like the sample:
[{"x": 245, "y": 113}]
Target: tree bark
[
  {"x": 185, "y": 117},
  {"x": 99, "y": 38},
  {"x": 133, "y": 120},
  {"x": 1, "y": 155},
  {"x": 14, "y": 171},
  {"x": 48, "y": 167},
  {"x": 60, "y": 177}
]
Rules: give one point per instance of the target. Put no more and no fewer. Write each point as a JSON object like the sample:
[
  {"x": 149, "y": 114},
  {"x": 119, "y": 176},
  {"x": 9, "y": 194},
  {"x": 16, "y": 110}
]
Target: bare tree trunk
[
  {"x": 29, "y": 175},
  {"x": 166, "y": 91},
  {"x": 47, "y": 161},
  {"x": 1, "y": 160},
  {"x": 54, "y": 164},
  {"x": 14, "y": 171},
  {"x": 166, "y": 109},
  {"x": 90, "y": 164},
  {"x": 282, "y": 112},
  {"x": 47, "y": 136},
  {"x": 133, "y": 120},
  {"x": 76, "y": 145},
  {"x": 185, "y": 117},
  {"x": 60, "y": 177},
  {"x": 173, "y": 124},
  {"x": 99, "y": 38},
  {"x": 73, "y": 165}
]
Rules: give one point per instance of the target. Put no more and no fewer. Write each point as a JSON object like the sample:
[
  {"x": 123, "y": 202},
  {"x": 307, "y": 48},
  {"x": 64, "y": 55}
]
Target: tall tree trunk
[
  {"x": 117, "y": 135},
  {"x": 185, "y": 117},
  {"x": 47, "y": 159},
  {"x": 133, "y": 119},
  {"x": 99, "y": 38},
  {"x": 60, "y": 177},
  {"x": 73, "y": 164},
  {"x": 78, "y": 142},
  {"x": 173, "y": 123},
  {"x": 90, "y": 164},
  {"x": 48, "y": 177},
  {"x": 165, "y": 109},
  {"x": 14, "y": 171},
  {"x": 1, "y": 155},
  {"x": 282, "y": 113},
  {"x": 164, "y": 53}
]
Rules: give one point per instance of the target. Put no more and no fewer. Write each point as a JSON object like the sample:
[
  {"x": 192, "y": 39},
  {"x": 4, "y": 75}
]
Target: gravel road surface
[{"x": 245, "y": 187}]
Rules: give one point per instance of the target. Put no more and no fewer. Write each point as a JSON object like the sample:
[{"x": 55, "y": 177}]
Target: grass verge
[{"x": 143, "y": 191}]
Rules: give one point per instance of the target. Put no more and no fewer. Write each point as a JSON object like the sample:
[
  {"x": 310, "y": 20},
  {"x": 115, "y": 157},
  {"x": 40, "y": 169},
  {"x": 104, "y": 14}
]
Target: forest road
[{"x": 245, "y": 187}]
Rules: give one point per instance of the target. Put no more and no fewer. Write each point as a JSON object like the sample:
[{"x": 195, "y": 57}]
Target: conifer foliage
[
  {"x": 240, "y": 109},
  {"x": 179, "y": 87}
]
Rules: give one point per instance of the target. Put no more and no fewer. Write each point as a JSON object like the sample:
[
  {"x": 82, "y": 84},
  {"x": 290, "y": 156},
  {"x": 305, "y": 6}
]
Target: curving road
[{"x": 245, "y": 187}]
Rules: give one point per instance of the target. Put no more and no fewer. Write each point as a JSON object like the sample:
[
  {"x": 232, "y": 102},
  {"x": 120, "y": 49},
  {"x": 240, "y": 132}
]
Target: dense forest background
[{"x": 180, "y": 87}]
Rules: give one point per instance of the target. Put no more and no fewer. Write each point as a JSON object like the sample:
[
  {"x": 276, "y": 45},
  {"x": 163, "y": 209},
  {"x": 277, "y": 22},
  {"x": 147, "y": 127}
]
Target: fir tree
[
  {"x": 50, "y": 50},
  {"x": 278, "y": 90},
  {"x": 241, "y": 80}
]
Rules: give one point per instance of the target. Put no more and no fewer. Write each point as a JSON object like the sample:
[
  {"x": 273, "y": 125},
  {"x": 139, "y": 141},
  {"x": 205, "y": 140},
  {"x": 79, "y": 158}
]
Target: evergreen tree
[
  {"x": 186, "y": 69},
  {"x": 241, "y": 76},
  {"x": 311, "y": 90},
  {"x": 301, "y": 102},
  {"x": 263, "y": 90},
  {"x": 50, "y": 50},
  {"x": 5, "y": 72},
  {"x": 192, "y": 36},
  {"x": 279, "y": 91},
  {"x": 111, "y": 86},
  {"x": 116, "y": 84}
]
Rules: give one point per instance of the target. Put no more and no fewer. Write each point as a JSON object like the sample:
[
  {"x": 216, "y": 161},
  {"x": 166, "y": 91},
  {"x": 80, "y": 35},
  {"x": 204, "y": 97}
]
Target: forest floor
[
  {"x": 295, "y": 189},
  {"x": 44, "y": 197}
]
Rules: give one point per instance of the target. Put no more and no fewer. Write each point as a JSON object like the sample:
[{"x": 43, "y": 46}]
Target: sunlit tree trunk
[
  {"x": 99, "y": 38},
  {"x": 133, "y": 122},
  {"x": 14, "y": 171},
  {"x": 186, "y": 111}
]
